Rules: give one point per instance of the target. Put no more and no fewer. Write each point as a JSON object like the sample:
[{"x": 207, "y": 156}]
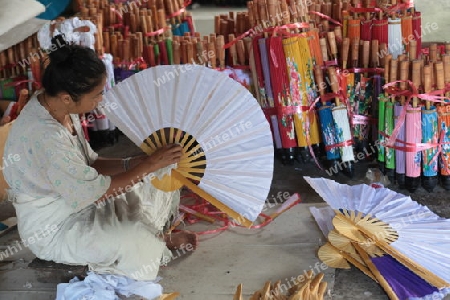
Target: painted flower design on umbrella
[
  {"x": 445, "y": 155},
  {"x": 294, "y": 81},
  {"x": 428, "y": 156},
  {"x": 330, "y": 137},
  {"x": 418, "y": 159},
  {"x": 287, "y": 121}
]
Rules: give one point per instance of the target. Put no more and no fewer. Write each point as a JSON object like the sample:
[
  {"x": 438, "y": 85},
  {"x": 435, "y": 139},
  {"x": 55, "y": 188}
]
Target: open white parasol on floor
[{"x": 401, "y": 227}]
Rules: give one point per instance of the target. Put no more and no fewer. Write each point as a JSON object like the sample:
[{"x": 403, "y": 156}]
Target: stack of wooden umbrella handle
[
  {"x": 134, "y": 30},
  {"x": 18, "y": 63}
]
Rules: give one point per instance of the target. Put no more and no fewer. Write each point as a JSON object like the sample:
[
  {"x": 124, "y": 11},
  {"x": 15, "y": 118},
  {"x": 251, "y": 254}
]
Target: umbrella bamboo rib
[
  {"x": 148, "y": 146},
  {"x": 413, "y": 266},
  {"x": 376, "y": 273},
  {"x": 171, "y": 135},
  {"x": 186, "y": 164},
  {"x": 157, "y": 140},
  {"x": 188, "y": 175},
  {"x": 236, "y": 216},
  {"x": 163, "y": 137}
]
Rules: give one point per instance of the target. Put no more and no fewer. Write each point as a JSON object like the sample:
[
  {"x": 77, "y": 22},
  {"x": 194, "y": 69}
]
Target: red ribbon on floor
[{"x": 203, "y": 207}]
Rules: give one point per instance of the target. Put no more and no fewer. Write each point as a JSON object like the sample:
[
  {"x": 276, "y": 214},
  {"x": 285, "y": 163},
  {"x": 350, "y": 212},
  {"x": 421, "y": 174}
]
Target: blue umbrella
[{"x": 53, "y": 8}]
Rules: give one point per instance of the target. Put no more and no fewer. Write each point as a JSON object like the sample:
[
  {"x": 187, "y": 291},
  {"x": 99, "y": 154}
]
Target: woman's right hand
[{"x": 163, "y": 157}]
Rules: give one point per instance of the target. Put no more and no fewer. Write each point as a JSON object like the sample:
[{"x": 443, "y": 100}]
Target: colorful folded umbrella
[
  {"x": 413, "y": 136},
  {"x": 400, "y": 155}
]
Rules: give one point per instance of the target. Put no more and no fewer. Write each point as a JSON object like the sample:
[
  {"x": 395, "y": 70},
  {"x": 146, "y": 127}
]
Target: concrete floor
[{"x": 285, "y": 248}]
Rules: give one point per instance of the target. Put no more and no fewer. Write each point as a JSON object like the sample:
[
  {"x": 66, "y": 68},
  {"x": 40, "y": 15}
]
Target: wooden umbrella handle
[
  {"x": 393, "y": 70},
  {"x": 433, "y": 52},
  {"x": 176, "y": 52},
  {"x": 190, "y": 53},
  {"x": 233, "y": 51},
  {"x": 334, "y": 83},
  {"x": 324, "y": 48},
  {"x": 285, "y": 12},
  {"x": 212, "y": 54},
  {"x": 412, "y": 49},
  {"x": 262, "y": 9},
  {"x": 332, "y": 41},
  {"x": 404, "y": 75},
  {"x": 2, "y": 64},
  {"x": 162, "y": 18},
  {"x": 240, "y": 47},
  {"x": 387, "y": 65},
  {"x": 293, "y": 10},
  {"x": 337, "y": 11},
  {"x": 338, "y": 35},
  {"x": 375, "y": 48},
  {"x": 440, "y": 77},
  {"x": 366, "y": 54},
  {"x": 220, "y": 43},
  {"x": 251, "y": 16},
  {"x": 317, "y": 18},
  {"x": 345, "y": 52},
  {"x": 201, "y": 59},
  {"x": 427, "y": 82},
  {"x": 272, "y": 11},
  {"x": 318, "y": 76},
  {"x": 416, "y": 77},
  {"x": 355, "y": 53}
]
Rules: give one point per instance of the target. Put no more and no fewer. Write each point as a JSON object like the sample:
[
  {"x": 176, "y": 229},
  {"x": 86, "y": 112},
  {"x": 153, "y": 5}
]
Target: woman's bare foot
[{"x": 181, "y": 240}]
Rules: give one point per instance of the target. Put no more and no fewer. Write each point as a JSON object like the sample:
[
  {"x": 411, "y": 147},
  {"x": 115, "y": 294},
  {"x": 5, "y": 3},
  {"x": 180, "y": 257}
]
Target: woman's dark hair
[{"x": 73, "y": 69}]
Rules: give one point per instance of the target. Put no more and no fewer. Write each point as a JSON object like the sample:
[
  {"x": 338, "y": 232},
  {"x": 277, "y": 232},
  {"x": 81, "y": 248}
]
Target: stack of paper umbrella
[
  {"x": 301, "y": 50},
  {"x": 397, "y": 242},
  {"x": 414, "y": 124}
]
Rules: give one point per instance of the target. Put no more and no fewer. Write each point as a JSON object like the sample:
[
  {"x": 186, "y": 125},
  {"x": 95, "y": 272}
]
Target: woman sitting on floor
[{"x": 99, "y": 214}]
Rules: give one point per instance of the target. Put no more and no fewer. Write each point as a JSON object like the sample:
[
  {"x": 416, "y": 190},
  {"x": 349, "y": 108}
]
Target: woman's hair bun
[{"x": 61, "y": 49}]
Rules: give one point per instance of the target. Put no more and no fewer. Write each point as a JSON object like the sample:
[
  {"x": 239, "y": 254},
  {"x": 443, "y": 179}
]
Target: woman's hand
[
  {"x": 163, "y": 157},
  {"x": 5, "y": 120}
]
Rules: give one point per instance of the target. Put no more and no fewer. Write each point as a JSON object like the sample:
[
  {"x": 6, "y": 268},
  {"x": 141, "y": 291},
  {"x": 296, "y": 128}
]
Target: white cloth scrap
[
  {"x": 107, "y": 287},
  {"x": 67, "y": 28}
]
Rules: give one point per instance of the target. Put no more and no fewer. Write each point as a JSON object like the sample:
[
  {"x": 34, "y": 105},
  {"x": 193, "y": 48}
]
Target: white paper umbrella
[
  {"x": 343, "y": 132},
  {"x": 403, "y": 228},
  {"x": 20, "y": 19},
  {"x": 227, "y": 142}
]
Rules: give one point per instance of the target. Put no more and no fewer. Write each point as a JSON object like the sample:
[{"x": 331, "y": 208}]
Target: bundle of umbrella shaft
[
  {"x": 18, "y": 64},
  {"x": 301, "y": 51},
  {"x": 416, "y": 133},
  {"x": 345, "y": 53}
]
